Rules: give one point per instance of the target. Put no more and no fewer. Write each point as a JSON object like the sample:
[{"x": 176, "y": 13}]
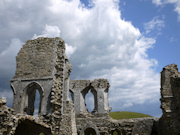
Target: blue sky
[
  {"x": 139, "y": 12},
  {"x": 127, "y": 41},
  {"x": 166, "y": 49}
]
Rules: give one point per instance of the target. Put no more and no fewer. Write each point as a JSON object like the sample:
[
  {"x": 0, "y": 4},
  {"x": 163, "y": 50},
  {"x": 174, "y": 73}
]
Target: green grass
[{"x": 127, "y": 115}]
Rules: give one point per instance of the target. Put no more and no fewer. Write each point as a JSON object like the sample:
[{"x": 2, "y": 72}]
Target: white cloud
[
  {"x": 100, "y": 44},
  {"x": 127, "y": 105},
  {"x": 69, "y": 50},
  {"x": 164, "y": 2},
  {"x": 157, "y": 2},
  {"x": 111, "y": 48},
  {"x": 54, "y": 31},
  {"x": 155, "y": 24},
  {"x": 7, "y": 57},
  {"x": 49, "y": 31}
]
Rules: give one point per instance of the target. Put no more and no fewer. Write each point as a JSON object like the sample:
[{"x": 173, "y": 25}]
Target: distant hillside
[{"x": 127, "y": 115}]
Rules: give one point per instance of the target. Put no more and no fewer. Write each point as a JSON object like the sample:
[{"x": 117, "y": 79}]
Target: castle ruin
[{"x": 42, "y": 66}]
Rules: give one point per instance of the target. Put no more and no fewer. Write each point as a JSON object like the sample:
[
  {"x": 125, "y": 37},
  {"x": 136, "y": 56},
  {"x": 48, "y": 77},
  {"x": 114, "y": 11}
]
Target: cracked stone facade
[{"x": 43, "y": 67}]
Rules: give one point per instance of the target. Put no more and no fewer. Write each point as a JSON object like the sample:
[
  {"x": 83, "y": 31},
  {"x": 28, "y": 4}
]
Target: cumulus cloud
[
  {"x": 54, "y": 31},
  {"x": 176, "y": 4},
  {"x": 112, "y": 48},
  {"x": 7, "y": 57},
  {"x": 157, "y": 2},
  {"x": 99, "y": 42},
  {"x": 49, "y": 31},
  {"x": 155, "y": 24},
  {"x": 69, "y": 50}
]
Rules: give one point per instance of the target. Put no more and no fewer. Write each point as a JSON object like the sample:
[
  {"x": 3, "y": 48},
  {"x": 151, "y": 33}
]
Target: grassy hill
[{"x": 127, "y": 115}]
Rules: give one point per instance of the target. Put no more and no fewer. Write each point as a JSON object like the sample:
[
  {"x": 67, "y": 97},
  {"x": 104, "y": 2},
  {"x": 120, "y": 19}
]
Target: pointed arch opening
[
  {"x": 33, "y": 99},
  {"x": 90, "y": 100},
  {"x": 37, "y": 105}
]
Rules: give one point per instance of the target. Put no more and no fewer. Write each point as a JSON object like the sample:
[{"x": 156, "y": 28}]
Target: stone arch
[
  {"x": 116, "y": 132},
  {"x": 29, "y": 97},
  {"x": 13, "y": 89},
  {"x": 89, "y": 129},
  {"x": 30, "y": 127},
  {"x": 84, "y": 93}
]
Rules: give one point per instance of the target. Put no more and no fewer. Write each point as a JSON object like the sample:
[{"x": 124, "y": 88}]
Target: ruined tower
[
  {"x": 40, "y": 66},
  {"x": 170, "y": 100},
  {"x": 43, "y": 67}
]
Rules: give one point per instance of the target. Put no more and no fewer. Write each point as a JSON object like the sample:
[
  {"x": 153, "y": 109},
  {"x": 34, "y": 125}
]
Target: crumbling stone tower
[
  {"x": 42, "y": 66},
  {"x": 170, "y": 100}
]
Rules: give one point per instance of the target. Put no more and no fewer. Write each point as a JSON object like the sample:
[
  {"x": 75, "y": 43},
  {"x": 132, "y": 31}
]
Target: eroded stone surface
[{"x": 170, "y": 100}]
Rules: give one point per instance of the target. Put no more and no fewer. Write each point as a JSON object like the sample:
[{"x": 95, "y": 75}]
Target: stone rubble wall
[
  {"x": 106, "y": 125},
  {"x": 103, "y": 125},
  {"x": 57, "y": 88},
  {"x": 10, "y": 120},
  {"x": 68, "y": 124}
]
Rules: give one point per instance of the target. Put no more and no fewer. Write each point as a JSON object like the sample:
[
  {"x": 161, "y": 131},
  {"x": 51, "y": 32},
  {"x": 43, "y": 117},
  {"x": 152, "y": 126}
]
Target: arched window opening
[
  {"x": 36, "y": 103},
  {"x": 71, "y": 95},
  {"x": 89, "y": 101},
  {"x": 89, "y": 131},
  {"x": 33, "y": 99}
]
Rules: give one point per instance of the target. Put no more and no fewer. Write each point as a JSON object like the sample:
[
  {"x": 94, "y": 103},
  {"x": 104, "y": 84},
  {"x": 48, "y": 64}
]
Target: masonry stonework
[
  {"x": 42, "y": 67},
  {"x": 170, "y": 100}
]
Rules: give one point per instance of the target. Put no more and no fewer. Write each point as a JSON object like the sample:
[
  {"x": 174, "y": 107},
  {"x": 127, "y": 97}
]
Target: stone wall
[
  {"x": 40, "y": 65},
  {"x": 36, "y": 59},
  {"x": 20, "y": 124},
  {"x": 12, "y": 123},
  {"x": 99, "y": 89},
  {"x": 105, "y": 125}
]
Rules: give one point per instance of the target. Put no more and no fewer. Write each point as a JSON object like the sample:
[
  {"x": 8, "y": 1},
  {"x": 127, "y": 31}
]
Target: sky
[{"x": 126, "y": 41}]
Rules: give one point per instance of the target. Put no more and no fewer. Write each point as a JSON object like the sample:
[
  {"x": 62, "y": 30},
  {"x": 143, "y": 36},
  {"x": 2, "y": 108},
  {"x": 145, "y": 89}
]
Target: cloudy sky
[{"x": 126, "y": 41}]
